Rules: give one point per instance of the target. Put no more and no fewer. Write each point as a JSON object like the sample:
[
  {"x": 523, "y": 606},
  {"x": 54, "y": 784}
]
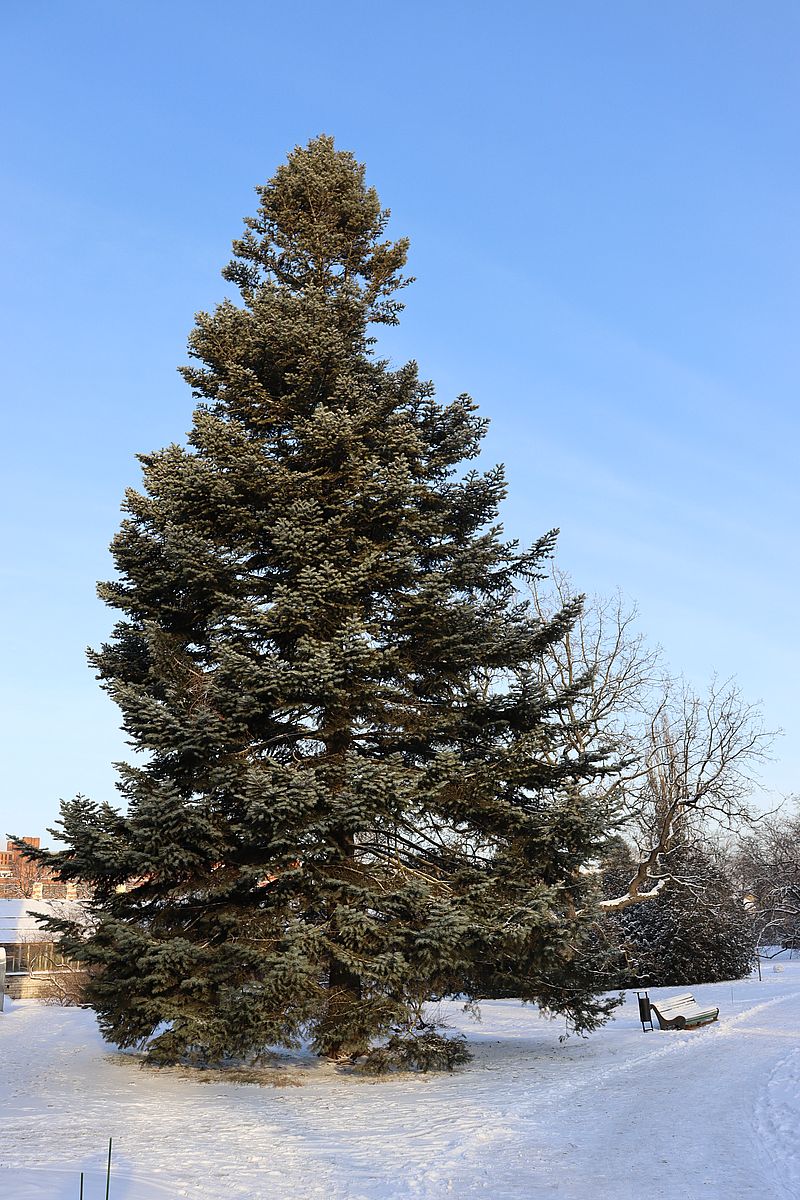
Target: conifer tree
[
  {"x": 697, "y": 930},
  {"x": 352, "y": 794}
]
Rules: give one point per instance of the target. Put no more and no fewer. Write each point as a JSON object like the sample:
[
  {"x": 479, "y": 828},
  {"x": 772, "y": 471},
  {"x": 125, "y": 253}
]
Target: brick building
[
  {"x": 10, "y": 858},
  {"x": 21, "y": 879}
]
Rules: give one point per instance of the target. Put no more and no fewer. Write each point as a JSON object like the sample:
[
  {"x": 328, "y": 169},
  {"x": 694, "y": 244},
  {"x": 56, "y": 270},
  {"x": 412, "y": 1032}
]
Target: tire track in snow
[
  {"x": 777, "y": 1120},
  {"x": 502, "y": 1136},
  {"x": 562, "y": 1165},
  {"x": 680, "y": 1043}
]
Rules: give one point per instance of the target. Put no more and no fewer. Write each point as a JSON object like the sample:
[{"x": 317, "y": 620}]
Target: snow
[
  {"x": 709, "y": 1113},
  {"x": 18, "y": 922}
]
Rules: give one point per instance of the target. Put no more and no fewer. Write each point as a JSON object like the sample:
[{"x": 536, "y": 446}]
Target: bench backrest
[
  {"x": 675, "y": 1002},
  {"x": 683, "y": 1005}
]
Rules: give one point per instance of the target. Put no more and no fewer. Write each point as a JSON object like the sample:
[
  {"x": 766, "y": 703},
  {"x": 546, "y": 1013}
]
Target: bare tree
[
  {"x": 64, "y": 986},
  {"x": 604, "y": 646},
  {"x": 685, "y": 761},
  {"x": 767, "y": 862},
  {"x": 698, "y": 760},
  {"x": 26, "y": 874}
]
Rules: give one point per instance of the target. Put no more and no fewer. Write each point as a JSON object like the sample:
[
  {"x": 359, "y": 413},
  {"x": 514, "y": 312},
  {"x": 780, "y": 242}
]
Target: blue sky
[{"x": 602, "y": 202}]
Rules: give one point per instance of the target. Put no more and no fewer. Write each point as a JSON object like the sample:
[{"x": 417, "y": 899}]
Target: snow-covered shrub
[
  {"x": 423, "y": 1050},
  {"x": 697, "y": 930}
]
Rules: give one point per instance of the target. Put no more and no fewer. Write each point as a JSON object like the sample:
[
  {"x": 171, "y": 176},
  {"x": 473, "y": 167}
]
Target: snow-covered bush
[{"x": 697, "y": 930}]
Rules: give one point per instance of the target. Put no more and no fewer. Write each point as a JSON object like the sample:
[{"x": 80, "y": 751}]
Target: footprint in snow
[{"x": 777, "y": 1119}]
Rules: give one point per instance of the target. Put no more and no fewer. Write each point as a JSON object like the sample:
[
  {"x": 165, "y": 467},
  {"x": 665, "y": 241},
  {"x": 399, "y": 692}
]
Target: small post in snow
[{"x": 108, "y": 1169}]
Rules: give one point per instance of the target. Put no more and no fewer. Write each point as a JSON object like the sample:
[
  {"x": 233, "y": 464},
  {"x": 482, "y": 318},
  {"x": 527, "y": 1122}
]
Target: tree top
[{"x": 319, "y": 227}]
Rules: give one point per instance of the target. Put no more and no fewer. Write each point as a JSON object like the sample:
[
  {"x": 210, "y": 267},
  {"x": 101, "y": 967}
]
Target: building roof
[{"x": 18, "y": 925}]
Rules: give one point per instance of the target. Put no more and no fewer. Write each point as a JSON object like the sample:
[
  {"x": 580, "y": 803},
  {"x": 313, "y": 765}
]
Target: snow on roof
[{"x": 18, "y": 925}]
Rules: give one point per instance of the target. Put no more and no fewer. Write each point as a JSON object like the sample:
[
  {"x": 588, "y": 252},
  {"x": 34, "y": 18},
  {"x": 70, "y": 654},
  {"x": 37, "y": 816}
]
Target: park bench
[{"x": 682, "y": 1012}]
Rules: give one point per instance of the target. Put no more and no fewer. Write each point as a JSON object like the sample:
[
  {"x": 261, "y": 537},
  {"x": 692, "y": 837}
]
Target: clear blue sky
[{"x": 603, "y": 206}]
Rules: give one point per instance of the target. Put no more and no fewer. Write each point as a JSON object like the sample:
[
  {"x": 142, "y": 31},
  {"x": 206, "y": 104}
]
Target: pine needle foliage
[
  {"x": 351, "y": 795},
  {"x": 698, "y": 930}
]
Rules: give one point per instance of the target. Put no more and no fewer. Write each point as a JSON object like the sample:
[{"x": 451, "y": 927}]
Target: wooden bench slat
[
  {"x": 694, "y": 1009},
  {"x": 682, "y": 1011}
]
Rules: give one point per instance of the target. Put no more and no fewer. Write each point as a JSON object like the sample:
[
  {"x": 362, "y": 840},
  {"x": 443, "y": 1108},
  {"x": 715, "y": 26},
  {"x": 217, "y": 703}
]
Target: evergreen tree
[
  {"x": 697, "y": 930},
  {"x": 352, "y": 795}
]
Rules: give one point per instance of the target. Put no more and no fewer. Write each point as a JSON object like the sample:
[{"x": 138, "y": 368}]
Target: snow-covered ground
[{"x": 713, "y": 1113}]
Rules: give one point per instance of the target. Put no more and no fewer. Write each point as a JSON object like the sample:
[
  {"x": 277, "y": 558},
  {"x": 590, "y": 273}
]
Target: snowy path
[{"x": 712, "y": 1113}]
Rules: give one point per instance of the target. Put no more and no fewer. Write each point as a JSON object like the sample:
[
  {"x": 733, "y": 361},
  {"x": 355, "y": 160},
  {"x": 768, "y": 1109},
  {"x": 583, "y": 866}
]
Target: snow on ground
[{"x": 710, "y": 1113}]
